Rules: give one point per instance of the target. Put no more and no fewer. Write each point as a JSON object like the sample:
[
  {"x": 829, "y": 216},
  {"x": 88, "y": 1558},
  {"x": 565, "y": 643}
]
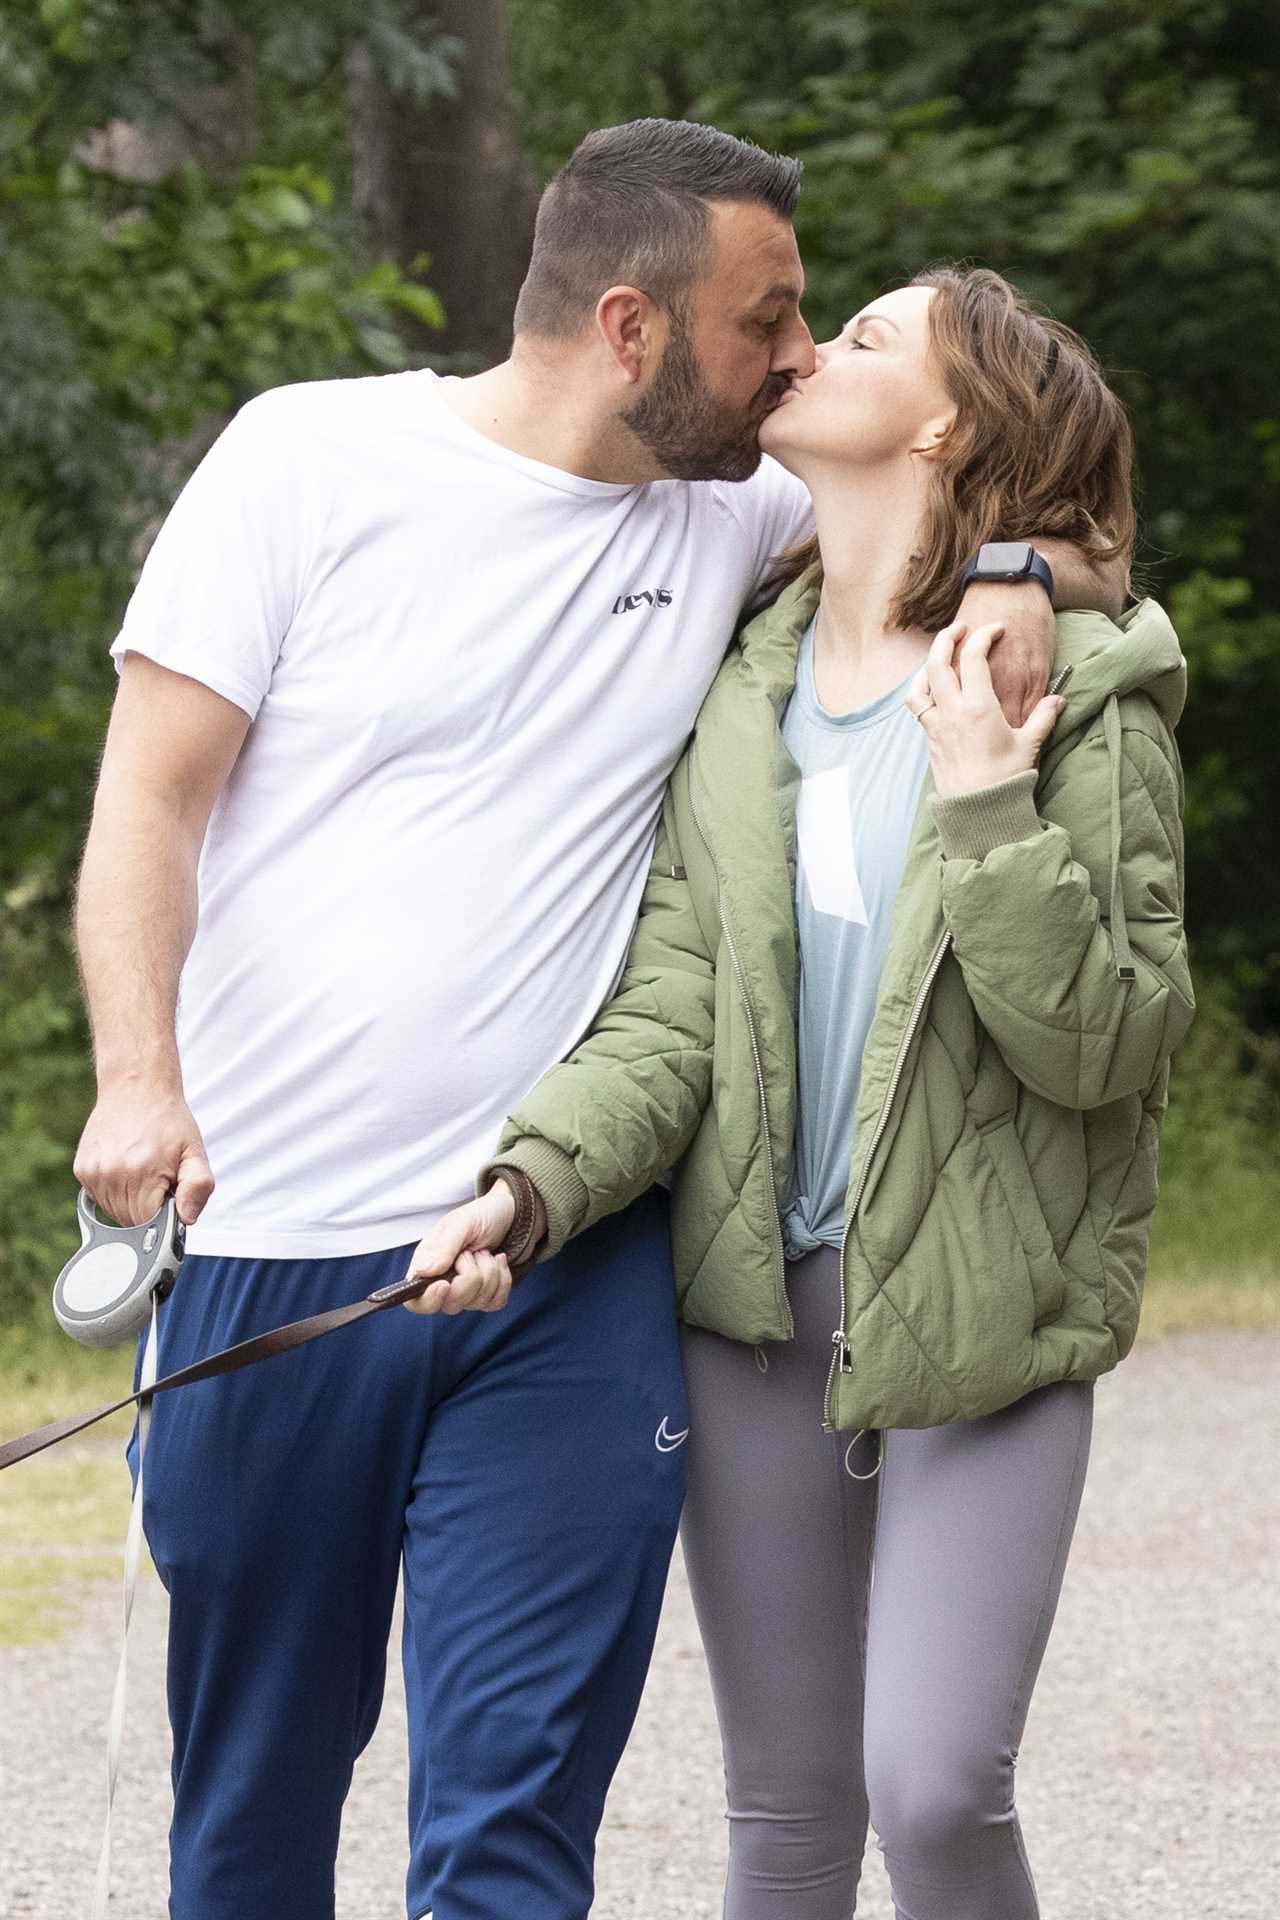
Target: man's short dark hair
[{"x": 630, "y": 208}]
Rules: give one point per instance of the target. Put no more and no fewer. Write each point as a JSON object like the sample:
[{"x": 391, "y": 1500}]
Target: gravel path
[{"x": 1149, "y": 1771}]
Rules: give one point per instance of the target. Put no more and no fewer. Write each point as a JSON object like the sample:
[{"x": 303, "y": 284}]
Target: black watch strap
[{"x": 1009, "y": 560}]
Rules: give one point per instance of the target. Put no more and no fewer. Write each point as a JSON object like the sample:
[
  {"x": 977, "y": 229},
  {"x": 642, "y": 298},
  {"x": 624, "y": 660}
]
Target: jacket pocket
[{"x": 1044, "y": 1270}]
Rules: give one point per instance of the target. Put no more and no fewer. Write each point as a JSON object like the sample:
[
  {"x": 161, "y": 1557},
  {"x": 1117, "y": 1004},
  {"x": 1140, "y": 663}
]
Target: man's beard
[{"x": 690, "y": 433}]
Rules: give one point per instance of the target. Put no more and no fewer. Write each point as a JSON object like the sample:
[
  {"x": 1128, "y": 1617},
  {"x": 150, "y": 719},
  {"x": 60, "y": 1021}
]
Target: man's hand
[
  {"x": 459, "y": 1247},
  {"x": 1022, "y": 661},
  {"x": 139, "y": 1144},
  {"x": 971, "y": 744}
]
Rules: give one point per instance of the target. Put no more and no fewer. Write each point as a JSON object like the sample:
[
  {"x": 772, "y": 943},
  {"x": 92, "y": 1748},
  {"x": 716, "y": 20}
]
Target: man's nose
[{"x": 797, "y": 355}]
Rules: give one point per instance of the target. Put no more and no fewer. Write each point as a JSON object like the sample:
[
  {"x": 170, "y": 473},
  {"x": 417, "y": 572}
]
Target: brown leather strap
[
  {"x": 529, "y": 1227},
  {"x": 230, "y": 1360}
]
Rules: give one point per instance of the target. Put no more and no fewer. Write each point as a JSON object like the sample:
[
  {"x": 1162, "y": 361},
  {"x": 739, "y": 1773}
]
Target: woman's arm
[
  {"x": 1077, "y": 1020},
  {"x": 1083, "y": 1011},
  {"x": 599, "y": 1128}
]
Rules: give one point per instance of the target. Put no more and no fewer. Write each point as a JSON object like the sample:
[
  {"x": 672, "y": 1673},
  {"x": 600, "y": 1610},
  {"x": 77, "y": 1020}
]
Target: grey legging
[{"x": 837, "y": 1698}]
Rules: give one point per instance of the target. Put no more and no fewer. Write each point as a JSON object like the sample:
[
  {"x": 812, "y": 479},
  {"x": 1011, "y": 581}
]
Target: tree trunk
[{"x": 448, "y": 177}]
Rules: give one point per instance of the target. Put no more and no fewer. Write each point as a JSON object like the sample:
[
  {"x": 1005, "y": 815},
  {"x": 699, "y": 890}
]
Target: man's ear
[{"x": 633, "y": 329}]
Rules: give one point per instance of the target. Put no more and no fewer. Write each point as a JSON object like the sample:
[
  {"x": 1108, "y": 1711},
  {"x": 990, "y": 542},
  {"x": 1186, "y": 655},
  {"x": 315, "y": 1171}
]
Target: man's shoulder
[{"x": 324, "y": 409}]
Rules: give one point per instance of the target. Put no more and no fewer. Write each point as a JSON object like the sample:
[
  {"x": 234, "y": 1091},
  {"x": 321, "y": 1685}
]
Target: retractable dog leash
[
  {"x": 105, "y": 1292},
  {"x": 109, "y": 1290}
]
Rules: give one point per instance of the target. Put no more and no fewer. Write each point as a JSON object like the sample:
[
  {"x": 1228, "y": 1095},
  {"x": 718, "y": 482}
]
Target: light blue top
[{"x": 861, "y": 779}]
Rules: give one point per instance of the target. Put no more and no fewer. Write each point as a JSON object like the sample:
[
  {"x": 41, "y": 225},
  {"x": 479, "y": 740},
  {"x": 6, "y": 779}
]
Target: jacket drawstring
[
  {"x": 1119, "y": 931},
  {"x": 879, "y": 1456}
]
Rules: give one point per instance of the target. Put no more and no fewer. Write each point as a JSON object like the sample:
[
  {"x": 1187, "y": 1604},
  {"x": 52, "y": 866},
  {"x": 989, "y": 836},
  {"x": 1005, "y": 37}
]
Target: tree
[{"x": 446, "y": 173}]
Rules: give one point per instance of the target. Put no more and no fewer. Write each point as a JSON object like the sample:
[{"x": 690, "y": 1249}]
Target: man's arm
[
  {"x": 1084, "y": 585},
  {"x": 1022, "y": 661},
  {"x": 170, "y": 746}
]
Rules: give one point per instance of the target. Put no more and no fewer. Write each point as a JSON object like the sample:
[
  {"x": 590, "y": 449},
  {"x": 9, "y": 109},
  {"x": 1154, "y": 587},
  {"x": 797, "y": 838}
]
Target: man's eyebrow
[{"x": 784, "y": 290}]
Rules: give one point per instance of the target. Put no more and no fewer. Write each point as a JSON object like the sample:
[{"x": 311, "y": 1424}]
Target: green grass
[
  {"x": 1188, "y": 1300},
  {"x": 44, "y": 1375}
]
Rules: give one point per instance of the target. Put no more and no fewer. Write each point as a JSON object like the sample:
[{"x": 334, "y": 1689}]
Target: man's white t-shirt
[{"x": 469, "y": 676}]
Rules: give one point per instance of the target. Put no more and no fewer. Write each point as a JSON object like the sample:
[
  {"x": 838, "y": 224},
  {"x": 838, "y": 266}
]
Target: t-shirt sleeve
[{"x": 224, "y": 576}]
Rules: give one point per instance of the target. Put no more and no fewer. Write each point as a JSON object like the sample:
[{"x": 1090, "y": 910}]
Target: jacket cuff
[
  {"x": 972, "y": 825},
  {"x": 560, "y": 1186}
]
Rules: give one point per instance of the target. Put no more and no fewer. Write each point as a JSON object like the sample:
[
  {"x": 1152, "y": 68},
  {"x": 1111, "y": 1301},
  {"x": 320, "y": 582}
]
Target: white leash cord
[{"x": 132, "y": 1561}]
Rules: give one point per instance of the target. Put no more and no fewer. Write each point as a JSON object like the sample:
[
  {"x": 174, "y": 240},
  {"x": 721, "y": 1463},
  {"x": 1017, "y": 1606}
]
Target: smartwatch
[{"x": 1009, "y": 560}]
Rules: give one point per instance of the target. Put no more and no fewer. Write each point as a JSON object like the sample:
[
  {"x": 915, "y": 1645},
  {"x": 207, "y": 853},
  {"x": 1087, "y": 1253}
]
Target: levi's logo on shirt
[{"x": 628, "y": 602}]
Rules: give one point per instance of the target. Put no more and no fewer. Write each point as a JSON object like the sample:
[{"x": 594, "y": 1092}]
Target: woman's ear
[{"x": 932, "y": 437}]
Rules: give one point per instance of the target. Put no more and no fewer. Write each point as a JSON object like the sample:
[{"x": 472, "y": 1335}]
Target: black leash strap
[{"x": 230, "y": 1360}]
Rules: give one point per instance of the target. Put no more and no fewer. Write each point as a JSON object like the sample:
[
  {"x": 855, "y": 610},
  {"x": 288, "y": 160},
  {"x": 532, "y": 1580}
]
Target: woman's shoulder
[{"x": 1128, "y": 672}]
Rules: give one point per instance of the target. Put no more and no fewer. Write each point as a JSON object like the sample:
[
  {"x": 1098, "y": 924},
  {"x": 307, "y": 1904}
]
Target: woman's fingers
[
  {"x": 500, "y": 1290},
  {"x": 481, "y": 1283},
  {"x": 974, "y": 663},
  {"x": 917, "y": 699},
  {"x": 944, "y": 684},
  {"x": 431, "y": 1300}
]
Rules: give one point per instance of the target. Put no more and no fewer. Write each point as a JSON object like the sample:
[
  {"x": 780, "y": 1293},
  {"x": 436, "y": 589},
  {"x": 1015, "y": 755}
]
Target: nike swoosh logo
[{"x": 668, "y": 1442}]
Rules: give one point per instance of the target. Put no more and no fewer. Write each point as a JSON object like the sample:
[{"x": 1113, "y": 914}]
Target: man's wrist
[
  {"x": 1009, "y": 562},
  {"x": 158, "y": 1073}
]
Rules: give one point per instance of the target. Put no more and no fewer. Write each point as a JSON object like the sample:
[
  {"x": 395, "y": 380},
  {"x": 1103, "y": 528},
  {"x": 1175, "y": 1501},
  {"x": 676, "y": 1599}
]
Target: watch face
[{"x": 1005, "y": 558}]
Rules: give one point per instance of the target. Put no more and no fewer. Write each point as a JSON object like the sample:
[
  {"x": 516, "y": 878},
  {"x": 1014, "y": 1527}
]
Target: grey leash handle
[{"x": 104, "y": 1293}]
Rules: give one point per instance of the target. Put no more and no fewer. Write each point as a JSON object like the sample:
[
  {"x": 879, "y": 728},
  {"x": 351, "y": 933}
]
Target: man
[{"x": 400, "y": 686}]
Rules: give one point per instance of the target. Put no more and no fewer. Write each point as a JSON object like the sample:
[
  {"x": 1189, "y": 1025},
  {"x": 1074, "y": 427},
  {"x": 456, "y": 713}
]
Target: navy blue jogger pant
[{"x": 524, "y": 1466}]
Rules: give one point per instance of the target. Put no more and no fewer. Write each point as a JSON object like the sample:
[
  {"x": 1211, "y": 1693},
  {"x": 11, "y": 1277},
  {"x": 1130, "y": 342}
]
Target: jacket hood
[
  {"x": 1139, "y": 653},
  {"x": 1100, "y": 657}
]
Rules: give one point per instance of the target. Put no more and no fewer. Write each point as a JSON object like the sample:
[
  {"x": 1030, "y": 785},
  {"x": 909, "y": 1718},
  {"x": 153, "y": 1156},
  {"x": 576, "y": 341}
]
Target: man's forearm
[
  {"x": 1079, "y": 583},
  {"x": 135, "y": 920}
]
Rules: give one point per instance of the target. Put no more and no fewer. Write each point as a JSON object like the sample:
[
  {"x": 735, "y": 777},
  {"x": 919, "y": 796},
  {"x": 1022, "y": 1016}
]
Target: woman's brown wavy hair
[{"x": 1040, "y": 444}]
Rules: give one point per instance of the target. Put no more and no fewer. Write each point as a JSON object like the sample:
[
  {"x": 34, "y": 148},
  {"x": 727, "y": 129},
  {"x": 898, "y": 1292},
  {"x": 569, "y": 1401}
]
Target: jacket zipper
[
  {"x": 779, "y": 1256},
  {"x": 842, "y": 1357}
]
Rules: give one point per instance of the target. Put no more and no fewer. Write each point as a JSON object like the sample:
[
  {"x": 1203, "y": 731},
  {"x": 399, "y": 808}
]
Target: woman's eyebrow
[{"x": 879, "y": 319}]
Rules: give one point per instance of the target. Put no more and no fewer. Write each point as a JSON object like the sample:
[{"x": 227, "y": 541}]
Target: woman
[{"x": 903, "y": 996}]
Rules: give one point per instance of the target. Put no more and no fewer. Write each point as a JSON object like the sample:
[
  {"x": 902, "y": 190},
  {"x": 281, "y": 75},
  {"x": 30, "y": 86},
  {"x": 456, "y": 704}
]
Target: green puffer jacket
[{"x": 1014, "y": 1079}]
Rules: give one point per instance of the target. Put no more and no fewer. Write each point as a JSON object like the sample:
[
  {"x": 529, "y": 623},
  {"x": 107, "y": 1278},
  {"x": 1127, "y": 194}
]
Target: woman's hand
[
  {"x": 459, "y": 1249},
  {"x": 971, "y": 744}
]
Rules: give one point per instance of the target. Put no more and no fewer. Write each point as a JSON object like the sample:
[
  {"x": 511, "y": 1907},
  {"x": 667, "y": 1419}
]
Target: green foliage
[
  {"x": 1220, "y": 1150},
  {"x": 135, "y": 316},
  {"x": 45, "y": 1093}
]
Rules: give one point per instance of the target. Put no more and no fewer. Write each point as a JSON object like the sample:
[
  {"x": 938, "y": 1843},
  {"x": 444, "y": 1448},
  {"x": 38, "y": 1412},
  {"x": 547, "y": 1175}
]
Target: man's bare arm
[
  {"x": 170, "y": 746},
  {"x": 1091, "y": 586},
  {"x": 1022, "y": 660}
]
